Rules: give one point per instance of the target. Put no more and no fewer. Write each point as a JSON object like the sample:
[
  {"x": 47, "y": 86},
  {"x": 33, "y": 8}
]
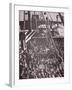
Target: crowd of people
[{"x": 38, "y": 65}]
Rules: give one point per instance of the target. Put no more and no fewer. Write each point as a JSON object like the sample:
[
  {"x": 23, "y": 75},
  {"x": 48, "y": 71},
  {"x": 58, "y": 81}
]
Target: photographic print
[{"x": 41, "y": 44}]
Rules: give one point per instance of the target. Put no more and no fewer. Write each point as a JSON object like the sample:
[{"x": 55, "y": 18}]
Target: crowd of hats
[{"x": 34, "y": 66}]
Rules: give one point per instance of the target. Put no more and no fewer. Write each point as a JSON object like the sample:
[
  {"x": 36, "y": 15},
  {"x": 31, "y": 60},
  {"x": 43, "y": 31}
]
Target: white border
[{"x": 15, "y": 43}]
